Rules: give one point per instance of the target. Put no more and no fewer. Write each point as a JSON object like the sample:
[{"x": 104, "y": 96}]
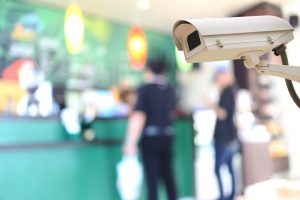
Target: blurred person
[
  {"x": 87, "y": 119},
  {"x": 88, "y": 115},
  {"x": 128, "y": 97},
  {"x": 225, "y": 134},
  {"x": 58, "y": 94},
  {"x": 150, "y": 125}
]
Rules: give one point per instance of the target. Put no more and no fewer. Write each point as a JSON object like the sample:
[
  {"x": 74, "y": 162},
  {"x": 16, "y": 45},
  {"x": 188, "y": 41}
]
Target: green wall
[
  {"x": 103, "y": 60},
  {"x": 75, "y": 171}
]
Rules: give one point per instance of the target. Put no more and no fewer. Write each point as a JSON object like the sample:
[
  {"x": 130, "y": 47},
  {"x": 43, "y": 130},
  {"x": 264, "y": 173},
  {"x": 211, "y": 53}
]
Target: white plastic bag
[{"x": 129, "y": 177}]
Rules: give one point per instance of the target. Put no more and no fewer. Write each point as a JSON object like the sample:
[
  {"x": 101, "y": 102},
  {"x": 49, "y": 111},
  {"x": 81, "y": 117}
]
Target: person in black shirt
[
  {"x": 225, "y": 133},
  {"x": 151, "y": 125}
]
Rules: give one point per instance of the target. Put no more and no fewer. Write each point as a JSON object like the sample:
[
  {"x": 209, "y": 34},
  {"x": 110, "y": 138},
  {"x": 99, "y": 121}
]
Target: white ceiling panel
[{"x": 162, "y": 13}]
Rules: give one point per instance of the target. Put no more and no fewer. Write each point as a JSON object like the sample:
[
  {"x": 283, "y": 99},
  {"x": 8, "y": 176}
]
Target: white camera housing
[
  {"x": 244, "y": 38},
  {"x": 230, "y": 38}
]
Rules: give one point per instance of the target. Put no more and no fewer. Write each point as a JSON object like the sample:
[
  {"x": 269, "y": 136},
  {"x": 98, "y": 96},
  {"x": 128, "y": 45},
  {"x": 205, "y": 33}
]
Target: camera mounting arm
[
  {"x": 284, "y": 71},
  {"x": 289, "y": 73}
]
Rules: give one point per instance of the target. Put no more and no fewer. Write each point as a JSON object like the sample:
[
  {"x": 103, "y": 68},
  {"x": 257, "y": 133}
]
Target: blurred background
[{"x": 69, "y": 70}]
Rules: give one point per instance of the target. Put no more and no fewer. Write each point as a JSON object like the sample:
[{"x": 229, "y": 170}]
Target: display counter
[{"x": 39, "y": 160}]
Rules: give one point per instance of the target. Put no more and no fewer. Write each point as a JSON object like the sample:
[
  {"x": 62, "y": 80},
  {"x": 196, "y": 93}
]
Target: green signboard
[{"x": 36, "y": 33}]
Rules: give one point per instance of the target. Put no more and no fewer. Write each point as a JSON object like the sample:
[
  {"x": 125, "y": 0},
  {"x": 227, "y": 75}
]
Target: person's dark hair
[{"x": 157, "y": 65}]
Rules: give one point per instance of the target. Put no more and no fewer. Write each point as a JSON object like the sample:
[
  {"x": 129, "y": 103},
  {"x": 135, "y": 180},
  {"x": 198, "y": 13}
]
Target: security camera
[
  {"x": 246, "y": 38},
  {"x": 230, "y": 38}
]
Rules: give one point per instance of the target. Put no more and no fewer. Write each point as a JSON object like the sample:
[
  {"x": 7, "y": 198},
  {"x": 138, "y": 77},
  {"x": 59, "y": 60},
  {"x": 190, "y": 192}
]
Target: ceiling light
[
  {"x": 143, "y": 4},
  {"x": 74, "y": 28},
  {"x": 137, "y": 47}
]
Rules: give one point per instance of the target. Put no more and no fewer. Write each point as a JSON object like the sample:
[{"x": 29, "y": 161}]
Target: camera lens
[{"x": 193, "y": 40}]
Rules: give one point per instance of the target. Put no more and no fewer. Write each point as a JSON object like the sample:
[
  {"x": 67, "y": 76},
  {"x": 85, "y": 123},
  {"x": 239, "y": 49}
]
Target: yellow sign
[
  {"x": 10, "y": 95},
  {"x": 74, "y": 28}
]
